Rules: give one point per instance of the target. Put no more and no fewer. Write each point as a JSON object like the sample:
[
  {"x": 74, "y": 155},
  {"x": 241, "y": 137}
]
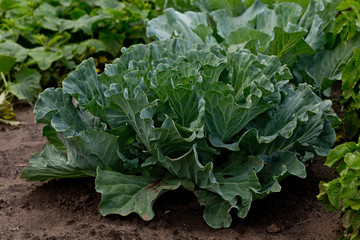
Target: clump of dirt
[{"x": 67, "y": 209}]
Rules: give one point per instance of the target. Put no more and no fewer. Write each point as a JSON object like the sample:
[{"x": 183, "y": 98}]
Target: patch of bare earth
[{"x": 67, "y": 209}]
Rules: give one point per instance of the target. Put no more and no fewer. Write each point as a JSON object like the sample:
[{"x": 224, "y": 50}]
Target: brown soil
[{"x": 67, "y": 209}]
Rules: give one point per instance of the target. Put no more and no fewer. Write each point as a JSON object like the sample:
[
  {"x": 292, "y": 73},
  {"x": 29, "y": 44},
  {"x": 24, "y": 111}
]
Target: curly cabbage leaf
[{"x": 174, "y": 113}]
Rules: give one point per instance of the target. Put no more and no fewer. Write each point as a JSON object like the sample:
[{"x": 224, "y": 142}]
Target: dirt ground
[{"x": 67, "y": 209}]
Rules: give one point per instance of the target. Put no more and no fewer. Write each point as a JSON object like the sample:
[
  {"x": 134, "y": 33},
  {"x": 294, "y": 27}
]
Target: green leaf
[
  {"x": 187, "y": 105},
  {"x": 84, "y": 153},
  {"x": 353, "y": 160},
  {"x": 10, "y": 48},
  {"x": 351, "y": 75},
  {"x": 6, "y": 63},
  {"x": 84, "y": 86},
  {"x": 233, "y": 7},
  {"x": 44, "y": 58},
  {"x": 224, "y": 118},
  {"x": 47, "y": 16},
  {"x": 346, "y": 23},
  {"x": 302, "y": 3},
  {"x": 227, "y": 23},
  {"x": 57, "y": 109},
  {"x": 285, "y": 15},
  {"x": 190, "y": 26},
  {"x": 301, "y": 122},
  {"x": 316, "y": 36},
  {"x": 124, "y": 194},
  {"x": 339, "y": 152},
  {"x": 334, "y": 190},
  {"x": 110, "y": 4},
  {"x": 327, "y": 65},
  {"x": 287, "y": 46},
  {"x": 132, "y": 109},
  {"x": 51, "y": 163},
  {"x": 277, "y": 166},
  {"x": 189, "y": 166},
  {"x": 351, "y": 123},
  {"x": 26, "y": 85},
  {"x": 323, "y": 196},
  {"x": 217, "y": 211},
  {"x": 238, "y": 180},
  {"x": 245, "y": 34},
  {"x": 112, "y": 41},
  {"x": 92, "y": 149},
  {"x": 93, "y": 45},
  {"x": 83, "y": 23}
]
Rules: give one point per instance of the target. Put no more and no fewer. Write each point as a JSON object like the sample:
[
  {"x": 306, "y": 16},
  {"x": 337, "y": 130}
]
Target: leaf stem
[{"x": 4, "y": 79}]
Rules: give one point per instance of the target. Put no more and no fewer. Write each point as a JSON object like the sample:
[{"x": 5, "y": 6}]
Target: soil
[{"x": 67, "y": 209}]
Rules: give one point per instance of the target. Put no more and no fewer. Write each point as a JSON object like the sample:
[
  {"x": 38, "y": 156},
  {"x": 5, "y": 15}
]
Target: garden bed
[{"x": 67, "y": 209}]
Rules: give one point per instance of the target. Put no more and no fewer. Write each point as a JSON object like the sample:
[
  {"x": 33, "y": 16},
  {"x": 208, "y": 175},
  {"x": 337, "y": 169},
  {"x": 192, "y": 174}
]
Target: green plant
[
  {"x": 344, "y": 192},
  {"x": 170, "y": 114},
  {"x": 351, "y": 97},
  {"x": 41, "y": 41},
  {"x": 346, "y": 24},
  {"x": 298, "y": 35}
]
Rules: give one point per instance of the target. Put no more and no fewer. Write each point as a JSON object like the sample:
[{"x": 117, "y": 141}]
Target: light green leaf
[
  {"x": 91, "y": 44},
  {"x": 233, "y": 7},
  {"x": 110, "y": 4},
  {"x": 334, "y": 190},
  {"x": 287, "y": 13},
  {"x": 10, "y": 48},
  {"x": 339, "y": 152},
  {"x": 351, "y": 75},
  {"x": 26, "y": 85},
  {"x": 83, "y": 23},
  {"x": 227, "y": 23},
  {"x": 47, "y": 16},
  {"x": 287, "y": 46},
  {"x": 190, "y": 26},
  {"x": 43, "y": 58},
  {"x": 245, "y": 34},
  {"x": 352, "y": 160}
]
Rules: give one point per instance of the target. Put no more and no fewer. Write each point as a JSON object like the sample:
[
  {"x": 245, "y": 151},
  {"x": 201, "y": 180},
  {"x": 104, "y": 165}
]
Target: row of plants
[
  {"x": 343, "y": 193},
  {"x": 41, "y": 41},
  {"x": 226, "y": 102}
]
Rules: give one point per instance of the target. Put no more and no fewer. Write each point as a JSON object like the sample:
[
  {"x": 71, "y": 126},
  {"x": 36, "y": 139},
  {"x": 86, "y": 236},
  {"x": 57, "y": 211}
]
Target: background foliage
[{"x": 42, "y": 40}]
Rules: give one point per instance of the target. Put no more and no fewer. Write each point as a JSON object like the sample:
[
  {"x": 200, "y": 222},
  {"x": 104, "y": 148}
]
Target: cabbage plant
[
  {"x": 176, "y": 114},
  {"x": 300, "y": 33}
]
